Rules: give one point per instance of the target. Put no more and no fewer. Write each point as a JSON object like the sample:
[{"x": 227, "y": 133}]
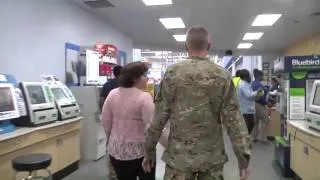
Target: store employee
[{"x": 110, "y": 85}]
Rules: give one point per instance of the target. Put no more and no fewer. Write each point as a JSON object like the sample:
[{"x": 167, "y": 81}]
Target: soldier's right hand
[{"x": 245, "y": 174}]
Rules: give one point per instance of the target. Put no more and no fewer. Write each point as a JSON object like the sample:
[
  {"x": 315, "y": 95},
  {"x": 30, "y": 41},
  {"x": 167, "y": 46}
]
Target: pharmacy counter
[
  {"x": 304, "y": 150},
  {"x": 61, "y": 140}
]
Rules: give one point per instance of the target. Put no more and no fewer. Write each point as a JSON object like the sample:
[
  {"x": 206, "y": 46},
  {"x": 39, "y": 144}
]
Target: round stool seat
[{"x": 31, "y": 162}]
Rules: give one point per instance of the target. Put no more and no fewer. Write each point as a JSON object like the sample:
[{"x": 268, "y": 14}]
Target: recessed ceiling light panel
[
  {"x": 266, "y": 19},
  {"x": 253, "y": 36},
  {"x": 172, "y": 23},
  {"x": 157, "y": 2},
  {"x": 180, "y": 37},
  {"x": 245, "y": 45}
]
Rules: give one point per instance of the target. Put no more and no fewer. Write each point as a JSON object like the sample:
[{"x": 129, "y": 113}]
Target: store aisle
[{"x": 261, "y": 166}]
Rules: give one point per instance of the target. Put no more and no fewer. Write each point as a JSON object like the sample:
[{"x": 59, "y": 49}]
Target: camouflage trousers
[
  {"x": 174, "y": 174},
  {"x": 112, "y": 172}
]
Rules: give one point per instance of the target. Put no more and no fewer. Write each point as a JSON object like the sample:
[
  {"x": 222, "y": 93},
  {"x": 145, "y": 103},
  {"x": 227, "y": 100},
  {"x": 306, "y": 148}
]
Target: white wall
[{"x": 33, "y": 34}]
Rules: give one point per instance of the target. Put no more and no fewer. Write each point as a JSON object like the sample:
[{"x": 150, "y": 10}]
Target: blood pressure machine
[
  {"x": 40, "y": 104},
  {"x": 64, "y": 99},
  {"x": 313, "y": 115},
  {"x": 12, "y": 105},
  {"x": 8, "y": 107}
]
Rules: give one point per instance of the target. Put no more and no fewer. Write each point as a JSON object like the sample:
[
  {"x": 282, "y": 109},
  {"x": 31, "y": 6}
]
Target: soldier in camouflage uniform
[
  {"x": 198, "y": 97},
  {"x": 112, "y": 172}
]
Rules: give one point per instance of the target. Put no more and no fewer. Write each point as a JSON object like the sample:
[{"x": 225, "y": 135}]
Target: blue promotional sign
[
  {"x": 300, "y": 68},
  {"x": 301, "y": 63},
  {"x": 72, "y": 46},
  {"x": 297, "y": 94}
]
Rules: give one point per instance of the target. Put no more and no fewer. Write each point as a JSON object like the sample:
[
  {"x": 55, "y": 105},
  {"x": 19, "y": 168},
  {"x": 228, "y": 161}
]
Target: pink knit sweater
[{"x": 125, "y": 115}]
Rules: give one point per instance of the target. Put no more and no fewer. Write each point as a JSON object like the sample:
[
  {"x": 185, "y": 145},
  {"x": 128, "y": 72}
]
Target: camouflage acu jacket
[{"x": 198, "y": 97}]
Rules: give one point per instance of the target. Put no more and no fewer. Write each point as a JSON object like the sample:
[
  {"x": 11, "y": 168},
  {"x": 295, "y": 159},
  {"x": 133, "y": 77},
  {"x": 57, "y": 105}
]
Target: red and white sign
[
  {"x": 108, "y": 52},
  {"x": 105, "y": 70}
]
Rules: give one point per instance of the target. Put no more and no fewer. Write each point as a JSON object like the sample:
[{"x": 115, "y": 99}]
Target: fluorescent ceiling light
[
  {"x": 253, "y": 36},
  {"x": 157, "y": 2},
  {"x": 172, "y": 23},
  {"x": 245, "y": 45},
  {"x": 180, "y": 37},
  {"x": 266, "y": 19}
]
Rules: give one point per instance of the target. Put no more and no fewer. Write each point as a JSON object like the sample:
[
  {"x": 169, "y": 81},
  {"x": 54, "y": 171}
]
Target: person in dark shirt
[
  {"x": 107, "y": 88},
  {"x": 110, "y": 85},
  {"x": 262, "y": 117}
]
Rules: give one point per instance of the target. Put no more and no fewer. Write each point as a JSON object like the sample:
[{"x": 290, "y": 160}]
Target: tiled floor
[{"x": 261, "y": 167}]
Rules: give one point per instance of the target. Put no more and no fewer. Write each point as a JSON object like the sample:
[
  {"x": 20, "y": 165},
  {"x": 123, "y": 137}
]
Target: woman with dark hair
[
  {"x": 236, "y": 80},
  {"x": 126, "y": 114},
  {"x": 247, "y": 99},
  {"x": 275, "y": 86}
]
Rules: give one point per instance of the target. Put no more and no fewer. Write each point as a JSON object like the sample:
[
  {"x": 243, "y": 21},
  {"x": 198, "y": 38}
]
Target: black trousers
[
  {"x": 130, "y": 170},
  {"x": 249, "y": 118}
]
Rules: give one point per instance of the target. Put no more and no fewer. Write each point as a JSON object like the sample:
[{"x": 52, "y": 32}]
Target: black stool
[{"x": 32, "y": 163}]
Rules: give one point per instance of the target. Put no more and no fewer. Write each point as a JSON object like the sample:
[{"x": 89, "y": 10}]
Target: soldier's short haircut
[
  {"x": 197, "y": 38},
  {"x": 132, "y": 72}
]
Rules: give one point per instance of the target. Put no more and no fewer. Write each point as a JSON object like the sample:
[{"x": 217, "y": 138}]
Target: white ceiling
[{"x": 226, "y": 20}]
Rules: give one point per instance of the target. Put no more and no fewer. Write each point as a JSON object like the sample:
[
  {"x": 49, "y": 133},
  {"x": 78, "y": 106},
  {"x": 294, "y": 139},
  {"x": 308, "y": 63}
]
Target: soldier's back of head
[{"x": 197, "y": 39}]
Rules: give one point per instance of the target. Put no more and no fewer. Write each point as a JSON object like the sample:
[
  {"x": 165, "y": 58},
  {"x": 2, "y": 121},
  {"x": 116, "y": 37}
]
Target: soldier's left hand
[{"x": 245, "y": 174}]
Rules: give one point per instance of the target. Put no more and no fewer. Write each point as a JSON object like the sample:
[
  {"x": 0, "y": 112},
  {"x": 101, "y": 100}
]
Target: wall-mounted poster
[
  {"x": 107, "y": 52},
  {"x": 92, "y": 64},
  {"x": 71, "y": 64},
  {"x": 78, "y": 69}
]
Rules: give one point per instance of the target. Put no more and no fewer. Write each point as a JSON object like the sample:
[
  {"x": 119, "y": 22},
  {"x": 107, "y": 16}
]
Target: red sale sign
[{"x": 108, "y": 50}]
